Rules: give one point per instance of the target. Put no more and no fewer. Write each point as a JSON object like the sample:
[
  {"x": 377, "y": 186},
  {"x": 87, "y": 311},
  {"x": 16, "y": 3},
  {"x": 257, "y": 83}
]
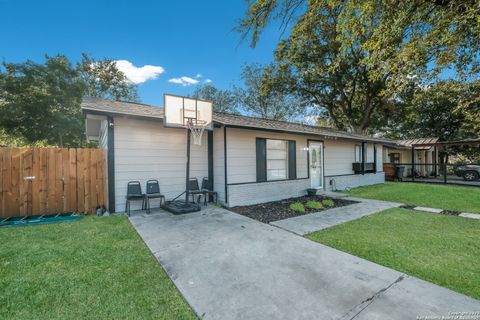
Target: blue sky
[{"x": 185, "y": 38}]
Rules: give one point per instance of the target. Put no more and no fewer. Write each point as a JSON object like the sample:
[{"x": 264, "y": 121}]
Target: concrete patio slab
[
  {"x": 228, "y": 266},
  {"x": 470, "y": 215},
  {"x": 426, "y": 209},
  {"x": 325, "y": 219}
]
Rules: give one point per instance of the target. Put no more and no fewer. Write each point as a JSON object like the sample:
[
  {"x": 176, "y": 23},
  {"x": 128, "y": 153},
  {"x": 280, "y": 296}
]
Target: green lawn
[
  {"x": 95, "y": 268},
  {"x": 465, "y": 199},
  {"x": 441, "y": 249}
]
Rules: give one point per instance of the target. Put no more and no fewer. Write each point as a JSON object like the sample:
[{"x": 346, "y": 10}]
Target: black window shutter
[
  {"x": 261, "y": 159},
  {"x": 292, "y": 160}
]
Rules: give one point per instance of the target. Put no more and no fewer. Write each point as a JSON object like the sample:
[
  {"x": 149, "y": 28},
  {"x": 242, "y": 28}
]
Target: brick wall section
[
  {"x": 352, "y": 181},
  {"x": 253, "y": 193}
]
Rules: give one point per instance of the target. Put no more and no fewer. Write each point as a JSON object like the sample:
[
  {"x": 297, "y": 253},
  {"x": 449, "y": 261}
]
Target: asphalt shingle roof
[
  {"x": 136, "y": 109},
  {"x": 120, "y": 107}
]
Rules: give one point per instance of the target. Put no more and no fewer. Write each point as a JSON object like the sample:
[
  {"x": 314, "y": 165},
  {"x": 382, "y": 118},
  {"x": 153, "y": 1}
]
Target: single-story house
[{"x": 249, "y": 160}]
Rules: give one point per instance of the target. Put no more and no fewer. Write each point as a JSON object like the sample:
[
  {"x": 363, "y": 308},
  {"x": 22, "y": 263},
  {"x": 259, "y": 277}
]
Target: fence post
[
  {"x": 445, "y": 171},
  {"x": 363, "y": 157},
  {"x": 413, "y": 163}
]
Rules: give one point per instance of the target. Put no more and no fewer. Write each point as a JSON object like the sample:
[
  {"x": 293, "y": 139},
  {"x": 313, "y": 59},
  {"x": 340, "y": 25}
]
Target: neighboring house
[
  {"x": 426, "y": 157},
  {"x": 249, "y": 160}
]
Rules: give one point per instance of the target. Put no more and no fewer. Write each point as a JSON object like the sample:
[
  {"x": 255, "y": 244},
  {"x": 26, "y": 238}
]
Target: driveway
[{"x": 228, "y": 266}]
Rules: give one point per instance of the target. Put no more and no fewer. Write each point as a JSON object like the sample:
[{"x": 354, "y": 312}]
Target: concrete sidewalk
[
  {"x": 228, "y": 266},
  {"x": 325, "y": 219}
]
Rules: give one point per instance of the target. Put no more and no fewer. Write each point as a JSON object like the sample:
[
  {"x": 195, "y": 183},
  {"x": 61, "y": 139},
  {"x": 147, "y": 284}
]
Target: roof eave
[
  {"x": 86, "y": 110},
  {"x": 329, "y": 137}
]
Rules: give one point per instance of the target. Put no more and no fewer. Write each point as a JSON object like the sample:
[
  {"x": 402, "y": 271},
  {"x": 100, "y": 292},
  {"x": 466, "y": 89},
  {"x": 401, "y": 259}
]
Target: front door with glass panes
[{"x": 315, "y": 154}]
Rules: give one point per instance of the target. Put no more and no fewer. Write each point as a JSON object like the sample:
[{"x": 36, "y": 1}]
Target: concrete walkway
[
  {"x": 325, "y": 219},
  {"x": 228, "y": 266}
]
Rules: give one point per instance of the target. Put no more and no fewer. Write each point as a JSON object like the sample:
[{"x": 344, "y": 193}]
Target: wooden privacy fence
[{"x": 51, "y": 180}]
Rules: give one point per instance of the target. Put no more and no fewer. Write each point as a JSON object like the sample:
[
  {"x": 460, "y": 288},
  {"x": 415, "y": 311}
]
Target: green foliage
[
  {"x": 297, "y": 207},
  {"x": 40, "y": 102},
  {"x": 352, "y": 59},
  {"x": 264, "y": 97},
  {"x": 9, "y": 140},
  {"x": 464, "y": 199},
  {"x": 261, "y": 96},
  {"x": 223, "y": 100},
  {"x": 313, "y": 205},
  {"x": 437, "y": 248},
  {"x": 447, "y": 109},
  {"x": 103, "y": 80},
  {"x": 328, "y": 203},
  {"x": 443, "y": 32}
]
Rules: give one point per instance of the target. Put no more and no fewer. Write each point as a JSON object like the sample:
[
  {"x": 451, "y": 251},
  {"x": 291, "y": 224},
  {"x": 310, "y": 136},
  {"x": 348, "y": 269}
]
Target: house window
[
  {"x": 394, "y": 157},
  {"x": 358, "y": 153},
  {"x": 277, "y": 159}
]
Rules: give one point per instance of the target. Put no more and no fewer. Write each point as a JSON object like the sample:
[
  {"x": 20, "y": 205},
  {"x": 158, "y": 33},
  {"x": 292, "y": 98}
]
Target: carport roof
[{"x": 103, "y": 106}]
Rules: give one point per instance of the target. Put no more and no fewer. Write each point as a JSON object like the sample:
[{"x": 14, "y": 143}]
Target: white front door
[{"x": 315, "y": 154}]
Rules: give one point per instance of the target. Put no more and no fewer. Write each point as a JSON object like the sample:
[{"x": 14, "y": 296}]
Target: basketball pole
[{"x": 188, "y": 166}]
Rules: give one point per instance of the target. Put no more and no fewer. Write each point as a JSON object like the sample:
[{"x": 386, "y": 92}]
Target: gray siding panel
[{"x": 145, "y": 149}]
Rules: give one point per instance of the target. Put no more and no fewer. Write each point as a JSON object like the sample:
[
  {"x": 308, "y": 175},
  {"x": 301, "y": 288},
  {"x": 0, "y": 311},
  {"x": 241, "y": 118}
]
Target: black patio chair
[
  {"x": 208, "y": 189},
  {"x": 194, "y": 190},
  {"x": 153, "y": 192},
  {"x": 134, "y": 192}
]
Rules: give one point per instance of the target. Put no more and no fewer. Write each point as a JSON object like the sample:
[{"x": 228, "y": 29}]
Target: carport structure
[{"x": 439, "y": 170}]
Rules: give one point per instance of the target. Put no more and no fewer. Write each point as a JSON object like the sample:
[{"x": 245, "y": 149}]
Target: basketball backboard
[{"x": 179, "y": 110}]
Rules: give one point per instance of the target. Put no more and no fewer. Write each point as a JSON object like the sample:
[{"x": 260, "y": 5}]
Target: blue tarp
[{"x": 39, "y": 219}]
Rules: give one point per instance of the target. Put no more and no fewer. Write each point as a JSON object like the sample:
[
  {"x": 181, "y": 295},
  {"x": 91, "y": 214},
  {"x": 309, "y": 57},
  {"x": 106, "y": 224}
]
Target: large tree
[
  {"x": 40, "y": 102},
  {"x": 447, "y": 109},
  {"x": 354, "y": 57},
  {"x": 258, "y": 96},
  {"x": 223, "y": 100},
  {"x": 442, "y": 109},
  {"x": 103, "y": 80},
  {"x": 267, "y": 99}
]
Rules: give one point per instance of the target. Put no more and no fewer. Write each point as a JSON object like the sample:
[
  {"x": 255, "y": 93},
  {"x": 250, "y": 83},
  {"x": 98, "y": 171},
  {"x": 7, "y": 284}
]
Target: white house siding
[
  {"x": 339, "y": 174},
  {"x": 340, "y": 154},
  {"x": 241, "y": 158},
  {"x": 241, "y": 153},
  {"x": 103, "y": 136},
  {"x": 103, "y": 144},
  {"x": 379, "y": 158},
  {"x": 145, "y": 149},
  {"x": 219, "y": 164}
]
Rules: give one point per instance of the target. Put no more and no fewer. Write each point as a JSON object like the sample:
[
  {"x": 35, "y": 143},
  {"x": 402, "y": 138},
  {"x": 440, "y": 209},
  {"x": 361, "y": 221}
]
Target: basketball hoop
[
  {"x": 195, "y": 116},
  {"x": 196, "y": 127}
]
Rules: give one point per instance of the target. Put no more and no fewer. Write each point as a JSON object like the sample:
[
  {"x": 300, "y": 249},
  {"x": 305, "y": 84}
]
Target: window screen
[{"x": 277, "y": 159}]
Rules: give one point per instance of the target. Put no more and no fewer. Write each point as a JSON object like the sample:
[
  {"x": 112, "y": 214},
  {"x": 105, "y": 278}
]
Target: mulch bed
[{"x": 279, "y": 210}]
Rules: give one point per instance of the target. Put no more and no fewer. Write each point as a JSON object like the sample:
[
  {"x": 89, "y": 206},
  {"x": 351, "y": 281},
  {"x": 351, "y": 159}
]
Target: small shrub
[
  {"x": 328, "y": 203},
  {"x": 297, "y": 207},
  {"x": 314, "y": 205}
]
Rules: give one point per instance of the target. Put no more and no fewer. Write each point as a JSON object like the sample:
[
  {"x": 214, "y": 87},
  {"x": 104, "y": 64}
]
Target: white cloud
[
  {"x": 199, "y": 75},
  {"x": 139, "y": 74},
  {"x": 207, "y": 81},
  {"x": 184, "y": 81}
]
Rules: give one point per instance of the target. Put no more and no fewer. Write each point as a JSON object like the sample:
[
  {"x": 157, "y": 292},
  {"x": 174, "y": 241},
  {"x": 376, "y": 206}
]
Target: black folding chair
[
  {"x": 134, "y": 192},
  {"x": 207, "y": 188},
  {"x": 153, "y": 192},
  {"x": 194, "y": 189}
]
